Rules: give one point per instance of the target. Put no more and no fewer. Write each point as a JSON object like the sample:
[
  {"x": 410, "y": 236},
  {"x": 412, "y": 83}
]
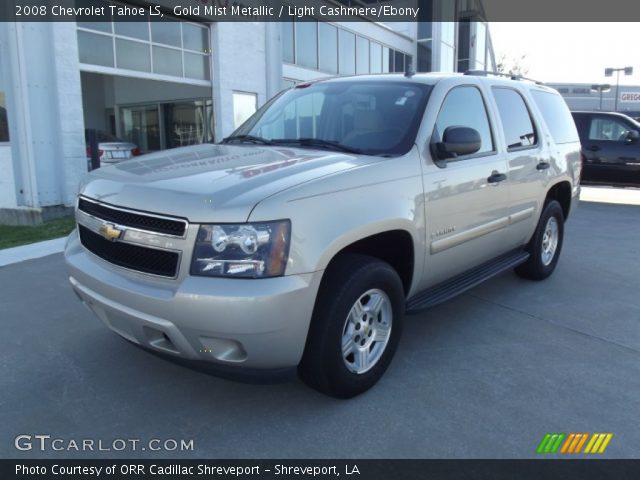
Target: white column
[
  {"x": 239, "y": 64},
  {"x": 47, "y": 136},
  {"x": 273, "y": 57}
]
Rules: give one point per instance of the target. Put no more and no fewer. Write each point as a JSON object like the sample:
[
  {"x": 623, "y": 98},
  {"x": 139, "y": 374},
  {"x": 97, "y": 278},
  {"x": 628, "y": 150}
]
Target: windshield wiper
[
  {"x": 315, "y": 142},
  {"x": 247, "y": 139}
]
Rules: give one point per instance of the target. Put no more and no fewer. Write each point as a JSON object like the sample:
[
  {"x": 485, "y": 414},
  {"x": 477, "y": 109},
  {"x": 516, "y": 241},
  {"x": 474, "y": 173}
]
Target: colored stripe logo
[{"x": 574, "y": 443}]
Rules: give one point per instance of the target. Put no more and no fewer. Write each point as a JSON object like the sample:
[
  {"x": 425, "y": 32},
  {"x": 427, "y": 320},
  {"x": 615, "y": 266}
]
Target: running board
[{"x": 463, "y": 282}]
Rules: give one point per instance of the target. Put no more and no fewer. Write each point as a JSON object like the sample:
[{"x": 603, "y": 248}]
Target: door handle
[
  {"x": 543, "y": 165},
  {"x": 594, "y": 148},
  {"x": 496, "y": 177}
]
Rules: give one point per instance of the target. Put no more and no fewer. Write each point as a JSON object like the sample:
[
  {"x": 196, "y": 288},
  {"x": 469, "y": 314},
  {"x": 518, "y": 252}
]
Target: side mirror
[
  {"x": 632, "y": 137},
  {"x": 457, "y": 141}
]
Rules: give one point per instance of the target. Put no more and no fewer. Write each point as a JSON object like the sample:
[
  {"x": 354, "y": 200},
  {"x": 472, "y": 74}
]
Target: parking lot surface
[{"x": 484, "y": 375}]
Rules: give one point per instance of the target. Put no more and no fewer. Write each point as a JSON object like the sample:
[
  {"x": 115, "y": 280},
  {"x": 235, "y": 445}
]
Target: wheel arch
[
  {"x": 395, "y": 247},
  {"x": 561, "y": 192}
]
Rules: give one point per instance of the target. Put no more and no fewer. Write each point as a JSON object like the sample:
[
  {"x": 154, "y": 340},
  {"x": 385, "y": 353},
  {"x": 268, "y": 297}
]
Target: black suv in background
[{"x": 610, "y": 147}]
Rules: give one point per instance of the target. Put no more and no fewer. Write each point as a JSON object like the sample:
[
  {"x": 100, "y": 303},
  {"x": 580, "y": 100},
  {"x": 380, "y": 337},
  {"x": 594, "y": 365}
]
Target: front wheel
[
  {"x": 545, "y": 245},
  {"x": 355, "y": 328}
]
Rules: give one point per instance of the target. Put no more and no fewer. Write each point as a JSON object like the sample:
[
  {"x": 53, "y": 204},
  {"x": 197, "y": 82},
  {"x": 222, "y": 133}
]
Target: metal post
[
  {"x": 600, "y": 99},
  {"x": 617, "y": 89},
  {"x": 92, "y": 140}
]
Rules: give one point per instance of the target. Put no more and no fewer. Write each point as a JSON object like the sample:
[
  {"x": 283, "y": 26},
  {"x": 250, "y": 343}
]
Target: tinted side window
[
  {"x": 516, "y": 120},
  {"x": 464, "y": 107},
  {"x": 556, "y": 115},
  {"x": 603, "y": 128}
]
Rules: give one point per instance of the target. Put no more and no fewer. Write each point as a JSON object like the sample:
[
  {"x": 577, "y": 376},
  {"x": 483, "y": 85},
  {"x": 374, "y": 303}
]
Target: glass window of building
[
  {"x": 153, "y": 47},
  {"x": 196, "y": 66},
  {"x": 516, "y": 121},
  {"x": 166, "y": 32},
  {"x": 167, "y": 61},
  {"x": 132, "y": 29},
  {"x": 195, "y": 38},
  {"x": 387, "y": 66},
  {"x": 141, "y": 125},
  {"x": 95, "y": 49},
  {"x": 362, "y": 55},
  {"x": 133, "y": 55},
  {"x": 399, "y": 62},
  {"x": 376, "y": 57},
  {"x": 184, "y": 123},
  {"x": 4, "y": 124},
  {"x": 328, "y": 48},
  {"x": 157, "y": 126},
  {"x": 287, "y": 42},
  {"x": 347, "y": 53},
  {"x": 307, "y": 44},
  {"x": 244, "y": 105},
  {"x": 464, "y": 106}
]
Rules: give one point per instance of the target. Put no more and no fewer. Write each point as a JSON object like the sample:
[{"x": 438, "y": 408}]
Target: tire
[
  {"x": 359, "y": 296},
  {"x": 543, "y": 255}
]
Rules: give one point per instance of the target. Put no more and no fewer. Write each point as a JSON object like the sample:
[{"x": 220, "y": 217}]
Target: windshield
[{"x": 369, "y": 117}]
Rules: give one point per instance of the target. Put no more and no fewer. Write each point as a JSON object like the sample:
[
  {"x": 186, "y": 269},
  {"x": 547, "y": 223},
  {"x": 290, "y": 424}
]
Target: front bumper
[{"x": 251, "y": 324}]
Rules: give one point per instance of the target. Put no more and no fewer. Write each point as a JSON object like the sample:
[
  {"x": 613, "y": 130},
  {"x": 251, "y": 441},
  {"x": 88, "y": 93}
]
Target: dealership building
[
  {"x": 174, "y": 83},
  {"x": 602, "y": 97}
]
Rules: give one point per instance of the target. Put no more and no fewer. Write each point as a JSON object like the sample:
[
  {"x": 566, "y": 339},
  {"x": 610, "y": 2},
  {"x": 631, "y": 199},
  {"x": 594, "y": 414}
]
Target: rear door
[{"x": 528, "y": 161}]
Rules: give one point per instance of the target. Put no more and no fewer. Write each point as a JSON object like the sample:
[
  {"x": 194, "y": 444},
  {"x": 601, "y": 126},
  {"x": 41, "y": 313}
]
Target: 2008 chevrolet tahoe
[{"x": 300, "y": 241}]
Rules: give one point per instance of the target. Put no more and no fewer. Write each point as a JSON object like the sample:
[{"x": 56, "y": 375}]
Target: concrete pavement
[{"x": 484, "y": 375}]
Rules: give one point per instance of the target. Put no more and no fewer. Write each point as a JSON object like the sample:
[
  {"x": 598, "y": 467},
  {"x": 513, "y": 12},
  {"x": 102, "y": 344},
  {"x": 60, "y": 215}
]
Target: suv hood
[{"x": 206, "y": 183}]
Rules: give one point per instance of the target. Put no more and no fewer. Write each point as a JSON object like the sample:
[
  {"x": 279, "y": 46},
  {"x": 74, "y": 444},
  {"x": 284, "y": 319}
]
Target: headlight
[{"x": 248, "y": 250}]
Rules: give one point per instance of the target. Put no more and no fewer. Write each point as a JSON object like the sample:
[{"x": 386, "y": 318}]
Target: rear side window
[
  {"x": 518, "y": 128},
  {"x": 464, "y": 107},
  {"x": 603, "y": 128},
  {"x": 556, "y": 115}
]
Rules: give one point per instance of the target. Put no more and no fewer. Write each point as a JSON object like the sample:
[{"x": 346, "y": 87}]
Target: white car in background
[{"x": 111, "y": 149}]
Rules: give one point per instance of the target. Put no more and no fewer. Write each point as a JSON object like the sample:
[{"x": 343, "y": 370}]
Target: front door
[{"x": 466, "y": 202}]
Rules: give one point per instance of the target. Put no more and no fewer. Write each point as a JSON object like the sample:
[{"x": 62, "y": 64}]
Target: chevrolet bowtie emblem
[{"x": 110, "y": 232}]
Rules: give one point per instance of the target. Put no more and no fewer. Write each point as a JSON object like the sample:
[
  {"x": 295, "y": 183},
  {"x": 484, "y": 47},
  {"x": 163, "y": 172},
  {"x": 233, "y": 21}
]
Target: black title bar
[{"x": 323, "y": 10}]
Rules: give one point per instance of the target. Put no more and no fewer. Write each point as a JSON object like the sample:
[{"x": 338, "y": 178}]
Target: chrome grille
[
  {"x": 135, "y": 240},
  {"x": 128, "y": 218}
]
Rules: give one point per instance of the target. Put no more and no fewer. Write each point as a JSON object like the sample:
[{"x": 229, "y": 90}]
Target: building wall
[
  {"x": 7, "y": 175},
  {"x": 48, "y": 97},
  {"x": 42, "y": 85},
  {"x": 239, "y": 64},
  {"x": 7, "y": 180}
]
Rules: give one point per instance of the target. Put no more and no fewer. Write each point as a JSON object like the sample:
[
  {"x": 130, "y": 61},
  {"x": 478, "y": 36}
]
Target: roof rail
[{"x": 512, "y": 76}]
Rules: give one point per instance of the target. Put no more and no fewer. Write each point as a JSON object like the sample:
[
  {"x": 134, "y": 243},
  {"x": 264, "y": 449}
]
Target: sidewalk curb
[{"x": 9, "y": 256}]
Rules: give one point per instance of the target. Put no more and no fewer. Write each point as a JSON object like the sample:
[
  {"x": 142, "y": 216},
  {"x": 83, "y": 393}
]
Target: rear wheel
[
  {"x": 545, "y": 245},
  {"x": 355, "y": 328}
]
